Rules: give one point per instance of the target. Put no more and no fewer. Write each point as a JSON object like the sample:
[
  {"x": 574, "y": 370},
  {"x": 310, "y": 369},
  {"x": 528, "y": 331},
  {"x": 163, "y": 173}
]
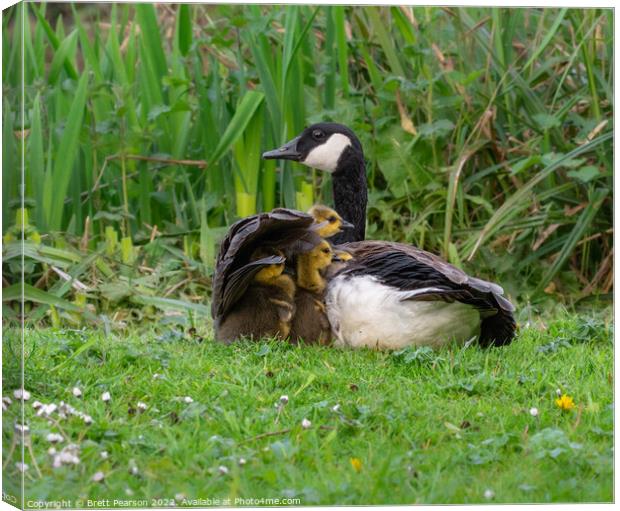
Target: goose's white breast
[{"x": 364, "y": 312}]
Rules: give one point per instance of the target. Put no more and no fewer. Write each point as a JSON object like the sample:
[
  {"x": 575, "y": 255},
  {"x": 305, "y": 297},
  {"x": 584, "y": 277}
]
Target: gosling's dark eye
[
  {"x": 325, "y": 251},
  {"x": 331, "y": 219},
  {"x": 318, "y": 134}
]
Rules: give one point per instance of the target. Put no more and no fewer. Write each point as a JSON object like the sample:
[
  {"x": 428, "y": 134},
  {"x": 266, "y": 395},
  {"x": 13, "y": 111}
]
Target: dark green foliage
[{"x": 487, "y": 131}]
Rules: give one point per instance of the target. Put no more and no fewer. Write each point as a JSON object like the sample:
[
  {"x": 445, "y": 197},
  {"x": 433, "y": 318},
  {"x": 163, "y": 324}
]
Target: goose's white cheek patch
[{"x": 325, "y": 156}]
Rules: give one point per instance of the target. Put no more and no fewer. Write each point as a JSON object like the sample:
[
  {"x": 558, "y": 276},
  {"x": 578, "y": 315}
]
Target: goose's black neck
[{"x": 351, "y": 194}]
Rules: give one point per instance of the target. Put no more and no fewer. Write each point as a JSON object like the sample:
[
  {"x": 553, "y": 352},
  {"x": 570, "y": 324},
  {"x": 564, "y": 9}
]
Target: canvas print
[{"x": 301, "y": 255}]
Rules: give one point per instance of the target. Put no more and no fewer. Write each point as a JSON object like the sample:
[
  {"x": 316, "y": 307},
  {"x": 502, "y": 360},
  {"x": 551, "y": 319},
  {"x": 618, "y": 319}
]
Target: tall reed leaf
[
  {"x": 65, "y": 52},
  {"x": 57, "y": 183},
  {"x": 184, "y": 29},
  {"x": 243, "y": 114},
  {"x": 53, "y": 39}
]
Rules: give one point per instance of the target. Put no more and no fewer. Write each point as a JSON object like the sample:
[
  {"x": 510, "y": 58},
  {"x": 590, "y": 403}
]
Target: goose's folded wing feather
[
  {"x": 285, "y": 230},
  {"x": 239, "y": 280},
  {"x": 424, "y": 275}
]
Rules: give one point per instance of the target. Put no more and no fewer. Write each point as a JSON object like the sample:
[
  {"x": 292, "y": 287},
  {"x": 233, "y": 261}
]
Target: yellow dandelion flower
[
  {"x": 356, "y": 463},
  {"x": 565, "y": 402}
]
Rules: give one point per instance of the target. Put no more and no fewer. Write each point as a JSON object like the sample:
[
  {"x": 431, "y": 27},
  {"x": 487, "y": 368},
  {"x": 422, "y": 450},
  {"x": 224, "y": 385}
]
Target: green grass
[{"x": 427, "y": 427}]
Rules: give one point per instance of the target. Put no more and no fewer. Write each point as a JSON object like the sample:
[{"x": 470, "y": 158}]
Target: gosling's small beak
[
  {"x": 346, "y": 225},
  {"x": 287, "y": 152}
]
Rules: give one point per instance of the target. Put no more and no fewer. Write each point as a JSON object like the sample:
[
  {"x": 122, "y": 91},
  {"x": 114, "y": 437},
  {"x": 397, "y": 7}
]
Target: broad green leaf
[{"x": 585, "y": 174}]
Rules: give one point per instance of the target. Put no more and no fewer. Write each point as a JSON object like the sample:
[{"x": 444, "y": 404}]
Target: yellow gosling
[{"x": 330, "y": 222}]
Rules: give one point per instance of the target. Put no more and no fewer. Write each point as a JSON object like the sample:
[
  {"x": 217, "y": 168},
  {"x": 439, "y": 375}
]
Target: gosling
[{"x": 310, "y": 323}]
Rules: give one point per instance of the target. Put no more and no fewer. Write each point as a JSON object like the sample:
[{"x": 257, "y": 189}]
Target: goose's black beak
[{"x": 287, "y": 152}]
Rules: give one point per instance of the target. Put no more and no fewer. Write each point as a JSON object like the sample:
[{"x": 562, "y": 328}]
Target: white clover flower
[
  {"x": 104, "y": 455},
  {"x": 88, "y": 420},
  {"x": 489, "y": 494},
  {"x": 21, "y": 394},
  {"x": 558, "y": 392},
  {"x": 6, "y": 400},
  {"x": 22, "y": 429},
  {"x": 179, "y": 496},
  {"x": 223, "y": 470},
  {"x": 106, "y": 396},
  {"x": 284, "y": 399},
  {"x": 534, "y": 412},
  {"x": 65, "y": 409},
  {"x": 22, "y": 467},
  {"x": 46, "y": 410},
  {"x": 51, "y": 451},
  {"x": 188, "y": 399},
  {"x": 68, "y": 456},
  {"x": 54, "y": 438},
  {"x": 242, "y": 461},
  {"x": 336, "y": 408},
  {"x": 37, "y": 404},
  {"x": 76, "y": 392},
  {"x": 306, "y": 424},
  {"x": 141, "y": 406},
  {"x": 98, "y": 477}
]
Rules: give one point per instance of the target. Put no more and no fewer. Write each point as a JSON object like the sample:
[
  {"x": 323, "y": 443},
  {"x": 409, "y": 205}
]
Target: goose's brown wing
[
  {"x": 239, "y": 280},
  {"x": 284, "y": 230},
  {"x": 426, "y": 276}
]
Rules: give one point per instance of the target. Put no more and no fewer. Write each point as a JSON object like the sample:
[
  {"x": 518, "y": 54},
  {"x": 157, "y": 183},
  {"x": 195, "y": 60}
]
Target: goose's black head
[
  {"x": 334, "y": 148},
  {"x": 325, "y": 146}
]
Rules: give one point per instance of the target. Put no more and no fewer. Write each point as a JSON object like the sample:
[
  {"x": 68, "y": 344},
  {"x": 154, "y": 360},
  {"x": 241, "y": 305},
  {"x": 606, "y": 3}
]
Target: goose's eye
[{"x": 318, "y": 134}]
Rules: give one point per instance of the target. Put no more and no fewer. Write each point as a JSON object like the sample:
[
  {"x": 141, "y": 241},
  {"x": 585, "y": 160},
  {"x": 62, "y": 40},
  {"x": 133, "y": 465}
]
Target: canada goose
[
  {"x": 390, "y": 295},
  {"x": 252, "y": 296}
]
